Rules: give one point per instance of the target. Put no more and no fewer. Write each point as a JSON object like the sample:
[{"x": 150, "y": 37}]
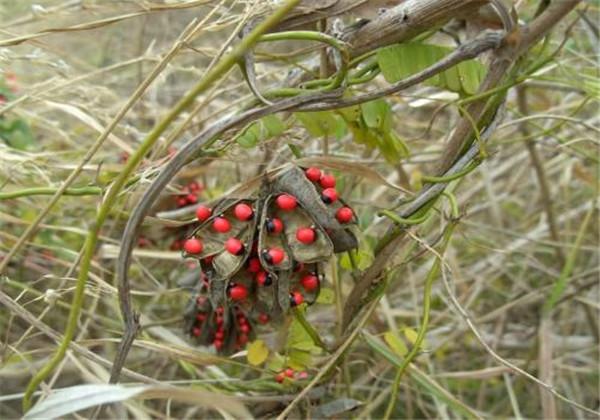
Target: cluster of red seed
[
  {"x": 240, "y": 325},
  {"x": 189, "y": 194},
  {"x": 290, "y": 374},
  {"x": 329, "y": 194},
  {"x": 241, "y": 288}
]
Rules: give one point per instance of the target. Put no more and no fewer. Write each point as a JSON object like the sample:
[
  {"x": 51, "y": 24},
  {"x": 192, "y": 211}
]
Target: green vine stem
[
  {"x": 50, "y": 191},
  {"x": 318, "y": 37},
  {"x": 110, "y": 199},
  {"x": 309, "y": 329},
  {"x": 453, "y": 177},
  {"x": 403, "y": 221},
  {"x": 431, "y": 277}
]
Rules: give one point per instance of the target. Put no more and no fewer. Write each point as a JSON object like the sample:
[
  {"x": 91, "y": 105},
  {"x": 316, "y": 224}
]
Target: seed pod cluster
[{"x": 263, "y": 254}]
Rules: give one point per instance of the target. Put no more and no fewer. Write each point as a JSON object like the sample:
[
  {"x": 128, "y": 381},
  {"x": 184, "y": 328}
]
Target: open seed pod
[{"x": 263, "y": 253}]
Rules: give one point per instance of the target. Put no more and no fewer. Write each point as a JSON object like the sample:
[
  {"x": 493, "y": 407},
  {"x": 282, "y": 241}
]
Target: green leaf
[
  {"x": 17, "y": 134},
  {"x": 470, "y": 76},
  {"x": 395, "y": 343},
  {"x": 351, "y": 113},
  {"x": 299, "y": 339},
  {"x": 299, "y": 359},
  {"x": 260, "y": 130},
  {"x": 326, "y": 296},
  {"x": 363, "y": 257},
  {"x": 400, "y": 61},
  {"x": 318, "y": 124},
  {"x": 273, "y": 125},
  {"x": 376, "y": 113},
  {"x": 411, "y": 335},
  {"x": 276, "y": 362},
  {"x": 257, "y": 352}
]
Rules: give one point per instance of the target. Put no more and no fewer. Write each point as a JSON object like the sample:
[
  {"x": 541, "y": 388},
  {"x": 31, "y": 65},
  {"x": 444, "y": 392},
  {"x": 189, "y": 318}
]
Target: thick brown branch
[
  {"x": 516, "y": 44},
  {"x": 408, "y": 20}
]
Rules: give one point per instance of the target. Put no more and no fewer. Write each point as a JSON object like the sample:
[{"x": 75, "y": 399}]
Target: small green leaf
[
  {"x": 469, "y": 74},
  {"x": 261, "y": 130},
  {"x": 318, "y": 124},
  {"x": 363, "y": 257},
  {"x": 376, "y": 113},
  {"x": 17, "y": 134},
  {"x": 257, "y": 352},
  {"x": 273, "y": 125},
  {"x": 276, "y": 362},
  {"x": 400, "y": 61},
  {"x": 411, "y": 335},
  {"x": 299, "y": 359},
  {"x": 299, "y": 339},
  {"x": 326, "y": 296},
  {"x": 395, "y": 343}
]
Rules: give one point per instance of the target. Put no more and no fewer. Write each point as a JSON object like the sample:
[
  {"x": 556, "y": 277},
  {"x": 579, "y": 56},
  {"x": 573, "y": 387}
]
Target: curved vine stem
[
  {"x": 113, "y": 193},
  {"x": 339, "y": 47}
]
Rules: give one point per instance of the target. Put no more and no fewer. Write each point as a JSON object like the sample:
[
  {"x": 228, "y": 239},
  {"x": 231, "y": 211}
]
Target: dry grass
[{"x": 509, "y": 250}]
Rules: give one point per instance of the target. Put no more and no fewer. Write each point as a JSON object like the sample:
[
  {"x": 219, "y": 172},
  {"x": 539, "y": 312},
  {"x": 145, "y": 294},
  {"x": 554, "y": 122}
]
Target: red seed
[
  {"x": 203, "y": 213},
  {"x": 313, "y": 174},
  {"x": 298, "y": 266},
  {"x": 264, "y": 279},
  {"x": 254, "y": 265},
  {"x": 143, "y": 242},
  {"x": 289, "y": 372},
  {"x": 327, "y": 181},
  {"x": 302, "y": 375},
  {"x": 238, "y": 292},
  {"x": 221, "y": 224},
  {"x": 274, "y": 225},
  {"x": 204, "y": 279},
  {"x": 329, "y": 195},
  {"x": 243, "y": 212},
  {"x": 274, "y": 256},
  {"x": 344, "y": 215},
  {"x": 196, "y": 332},
  {"x": 208, "y": 260},
  {"x": 182, "y": 202},
  {"x": 219, "y": 335},
  {"x": 193, "y": 246},
  {"x": 280, "y": 377},
  {"x": 220, "y": 310},
  {"x": 296, "y": 298},
  {"x": 218, "y": 344},
  {"x": 234, "y": 246},
  {"x": 263, "y": 318},
  {"x": 306, "y": 235},
  {"x": 242, "y": 339},
  {"x": 191, "y": 198},
  {"x": 286, "y": 202},
  {"x": 195, "y": 186},
  {"x": 245, "y": 328},
  {"x": 200, "y": 317},
  {"x": 310, "y": 282}
]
